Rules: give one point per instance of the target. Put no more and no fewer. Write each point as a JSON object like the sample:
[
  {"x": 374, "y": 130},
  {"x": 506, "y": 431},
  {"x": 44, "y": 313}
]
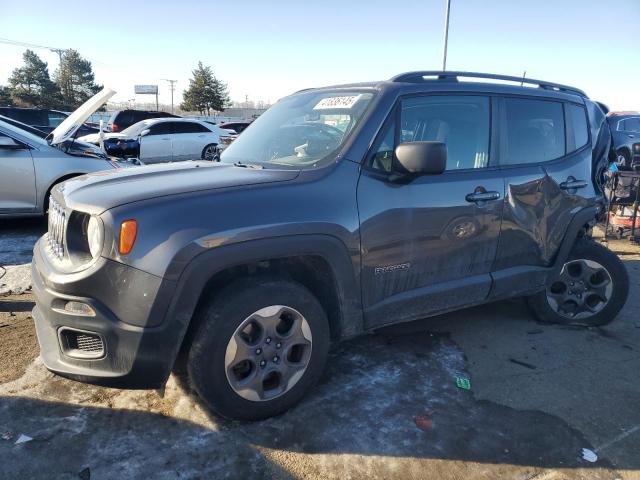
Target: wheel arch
[
  {"x": 580, "y": 224},
  {"x": 45, "y": 197},
  {"x": 321, "y": 263}
]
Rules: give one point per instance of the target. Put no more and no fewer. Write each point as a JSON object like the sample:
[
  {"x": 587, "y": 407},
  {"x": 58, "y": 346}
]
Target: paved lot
[{"x": 387, "y": 407}]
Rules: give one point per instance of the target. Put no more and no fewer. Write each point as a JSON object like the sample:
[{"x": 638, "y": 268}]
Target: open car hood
[{"x": 72, "y": 123}]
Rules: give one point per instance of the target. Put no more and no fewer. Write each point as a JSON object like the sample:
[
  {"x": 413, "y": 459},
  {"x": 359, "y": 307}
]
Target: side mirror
[
  {"x": 8, "y": 143},
  {"x": 420, "y": 158},
  {"x": 145, "y": 132}
]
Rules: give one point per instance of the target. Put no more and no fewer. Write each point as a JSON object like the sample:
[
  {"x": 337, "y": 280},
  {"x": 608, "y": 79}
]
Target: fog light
[{"x": 79, "y": 308}]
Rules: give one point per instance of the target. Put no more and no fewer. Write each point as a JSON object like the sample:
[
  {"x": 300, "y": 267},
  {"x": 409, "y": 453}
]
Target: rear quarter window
[{"x": 577, "y": 118}]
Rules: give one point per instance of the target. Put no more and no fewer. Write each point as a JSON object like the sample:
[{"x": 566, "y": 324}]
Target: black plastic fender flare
[
  {"x": 573, "y": 232},
  {"x": 187, "y": 292}
]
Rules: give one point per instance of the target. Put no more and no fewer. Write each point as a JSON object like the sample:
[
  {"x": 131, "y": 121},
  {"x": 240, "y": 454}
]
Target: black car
[
  {"x": 237, "y": 127},
  {"x": 122, "y": 119},
  {"x": 341, "y": 210},
  {"x": 43, "y": 119},
  {"x": 625, "y": 129}
]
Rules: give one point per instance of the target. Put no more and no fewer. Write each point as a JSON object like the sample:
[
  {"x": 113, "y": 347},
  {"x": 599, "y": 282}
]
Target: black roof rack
[{"x": 423, "y": 76}]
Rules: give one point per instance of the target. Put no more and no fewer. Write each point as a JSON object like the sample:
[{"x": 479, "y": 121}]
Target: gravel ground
[{"x": 387, "y": 407}]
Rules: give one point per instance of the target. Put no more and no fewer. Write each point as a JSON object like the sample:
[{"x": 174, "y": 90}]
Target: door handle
[
  {"x": 482, "y": 196},
  {"x": 573, "y": 184}
]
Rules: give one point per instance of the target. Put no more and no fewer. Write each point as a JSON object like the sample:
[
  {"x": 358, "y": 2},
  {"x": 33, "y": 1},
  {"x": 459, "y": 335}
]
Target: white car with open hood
[{"x": 164, "y": 140}]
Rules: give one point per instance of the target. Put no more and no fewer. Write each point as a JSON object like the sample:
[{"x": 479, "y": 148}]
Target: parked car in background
[
  {"x": 237, "y": 127},
  {"x": 122, "y": 119},
  {"x": 340, "y": 211},
  {"x": 30, "y": 165},
  {"x": 42, "y": 118},
  {"x": 164, "y": 140},
  {"x": 625, "y": 129}
]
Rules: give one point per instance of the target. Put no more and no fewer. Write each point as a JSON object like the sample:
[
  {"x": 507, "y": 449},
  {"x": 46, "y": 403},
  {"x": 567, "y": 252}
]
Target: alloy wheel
[
  {"x": 210, "y": 152},
  {"x": 268, "y": 353},
  {"x": 583, "y": 288}
]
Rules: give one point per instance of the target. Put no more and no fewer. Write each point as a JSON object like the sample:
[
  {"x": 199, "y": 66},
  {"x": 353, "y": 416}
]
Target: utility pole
[
  {"x": 172, "y": 87},
  {"x": 446, "y": 36}
]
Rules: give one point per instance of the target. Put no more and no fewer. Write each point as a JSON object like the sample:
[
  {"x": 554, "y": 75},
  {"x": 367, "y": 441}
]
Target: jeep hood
[
  {"x": 97, "y": 192},
  {"x": 72, "y": 123}
]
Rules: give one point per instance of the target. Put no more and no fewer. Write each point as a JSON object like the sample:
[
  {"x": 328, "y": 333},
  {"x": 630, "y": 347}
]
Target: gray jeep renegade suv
[{"x": 338, "y": 211}]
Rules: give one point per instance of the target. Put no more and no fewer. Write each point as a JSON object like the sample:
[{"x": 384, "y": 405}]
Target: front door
[
  {"x": 17, "y": 179},
  {"x": 428, "y": 245},
  {"x": 155, "y": 146}
]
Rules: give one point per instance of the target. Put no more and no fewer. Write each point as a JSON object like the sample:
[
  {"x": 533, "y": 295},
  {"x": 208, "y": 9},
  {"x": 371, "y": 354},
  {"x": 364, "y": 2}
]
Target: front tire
[
  {"x": 261, "y": 345},
  {"x": 590, "y": 290}
]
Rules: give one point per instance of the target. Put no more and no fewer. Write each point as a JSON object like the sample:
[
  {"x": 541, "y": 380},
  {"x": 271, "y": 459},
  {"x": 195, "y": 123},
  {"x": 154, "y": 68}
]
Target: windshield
[
  {"x": 303, "y": 131},
  {"x": 24, "y": 133},
  {"x": 136, "y": 128}
]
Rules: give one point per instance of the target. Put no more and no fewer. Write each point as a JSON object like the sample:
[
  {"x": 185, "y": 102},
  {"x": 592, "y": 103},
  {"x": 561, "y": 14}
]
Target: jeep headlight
[{"x": 94, "y": 236}]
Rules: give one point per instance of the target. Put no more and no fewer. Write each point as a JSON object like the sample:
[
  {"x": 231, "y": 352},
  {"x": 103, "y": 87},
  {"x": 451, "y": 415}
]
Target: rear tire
[
  {"x": 210, "y": 152},
  {"x": 591, "y": 289},
  {"x": 224, "y": 365}
]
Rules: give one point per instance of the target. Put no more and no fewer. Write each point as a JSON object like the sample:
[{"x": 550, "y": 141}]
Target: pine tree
[
  {"x": 205, "y": 92},
  {"x": 5, "y": 96},
  {"x": 75, "y": 79},
  {"x": 31, "y": 86}
]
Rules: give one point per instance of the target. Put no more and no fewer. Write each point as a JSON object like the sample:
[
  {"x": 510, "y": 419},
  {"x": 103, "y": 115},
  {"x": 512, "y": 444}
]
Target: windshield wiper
[{"x": 248, "y": 165}]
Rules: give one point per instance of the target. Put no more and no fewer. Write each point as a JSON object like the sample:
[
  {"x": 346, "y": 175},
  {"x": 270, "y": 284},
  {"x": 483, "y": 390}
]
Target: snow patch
[{"x": 15, "y": 279}]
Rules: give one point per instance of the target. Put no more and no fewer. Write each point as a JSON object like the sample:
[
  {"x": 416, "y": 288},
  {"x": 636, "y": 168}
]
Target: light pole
[
  {"x": 446, "y": 36},
  {"x": 172, "y": 87}
]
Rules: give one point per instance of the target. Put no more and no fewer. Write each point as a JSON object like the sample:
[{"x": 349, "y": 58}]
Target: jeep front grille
[{"x": 55, "y": 233}]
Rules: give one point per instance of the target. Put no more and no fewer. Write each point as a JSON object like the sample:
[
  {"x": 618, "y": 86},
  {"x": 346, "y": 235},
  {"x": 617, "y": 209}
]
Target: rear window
[
  {"x": 30, "y": 117},
  {"x": 189, "y": 127},
  {"x": 534, "y": 131},
  {"x": 577, "y": 118},
  {"x": 630, "y": 125},
  {"x": 55, "y": 118}
]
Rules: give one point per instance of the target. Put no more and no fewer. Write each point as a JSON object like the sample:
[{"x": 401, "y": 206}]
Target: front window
[
  {"x": 135, "y": 129},
  {"x": 301, "y": 131}
]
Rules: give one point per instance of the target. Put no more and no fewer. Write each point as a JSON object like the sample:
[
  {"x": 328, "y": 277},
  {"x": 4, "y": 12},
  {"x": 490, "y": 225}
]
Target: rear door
[
  {"x": 189, "y": 139},
  {"x": 17, "y": 179},
  {"x": 155, "y": 147},
  {"x": 428, "y": 245},
  {"x": 545, "y": 156}
]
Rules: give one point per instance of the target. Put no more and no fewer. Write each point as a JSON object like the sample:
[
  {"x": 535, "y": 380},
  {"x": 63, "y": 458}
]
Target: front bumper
[{"x": 139, "y": 344}]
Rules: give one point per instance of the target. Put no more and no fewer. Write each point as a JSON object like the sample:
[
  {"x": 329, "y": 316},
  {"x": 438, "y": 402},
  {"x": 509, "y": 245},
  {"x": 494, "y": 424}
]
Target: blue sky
[{"x": 266, "y": 50}]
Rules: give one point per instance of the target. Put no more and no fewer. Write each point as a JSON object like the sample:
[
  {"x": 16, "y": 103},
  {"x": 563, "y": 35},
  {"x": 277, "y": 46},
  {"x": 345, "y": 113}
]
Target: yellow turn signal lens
[{"x": 128, "y": 232}]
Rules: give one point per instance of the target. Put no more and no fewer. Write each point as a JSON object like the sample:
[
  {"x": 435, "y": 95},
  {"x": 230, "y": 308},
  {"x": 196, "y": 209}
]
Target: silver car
[{"x": 30, "y": 166}]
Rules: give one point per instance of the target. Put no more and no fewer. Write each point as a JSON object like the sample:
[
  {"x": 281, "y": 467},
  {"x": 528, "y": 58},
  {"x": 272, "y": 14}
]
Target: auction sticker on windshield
[{"x": 344, "y": 101}]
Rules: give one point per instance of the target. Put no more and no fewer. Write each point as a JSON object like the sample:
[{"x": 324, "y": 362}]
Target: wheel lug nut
[
  {"x": 258, "y": 351},
  {"x": 275, "y": 359},
  {"x": 263, "y": 363},
  {"x": 268, "y": 340},
  {"x": 278, "y": 345},
  {"x": 572, "y": 284}
]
